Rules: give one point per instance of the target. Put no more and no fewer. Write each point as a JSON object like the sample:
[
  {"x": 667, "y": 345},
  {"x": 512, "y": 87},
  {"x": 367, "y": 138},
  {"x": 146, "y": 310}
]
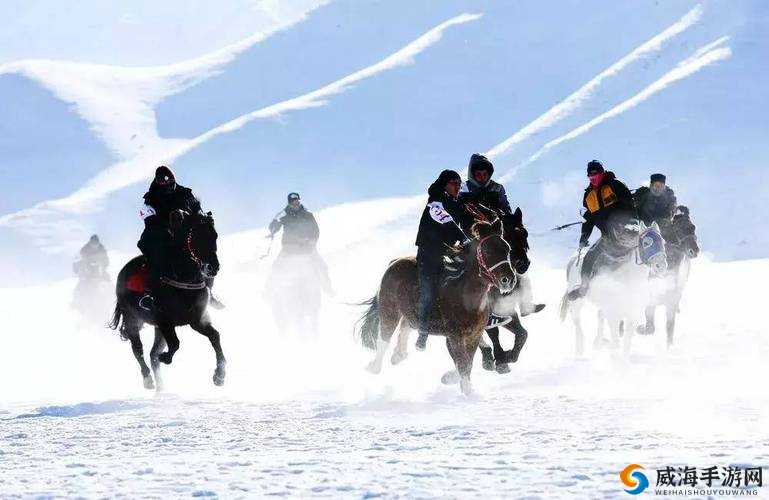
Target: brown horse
[{"x": 462, "y": 306}]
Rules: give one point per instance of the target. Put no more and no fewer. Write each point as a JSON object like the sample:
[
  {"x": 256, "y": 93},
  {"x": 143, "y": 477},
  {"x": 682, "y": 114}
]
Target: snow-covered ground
[{"x": 301, "y": 417}]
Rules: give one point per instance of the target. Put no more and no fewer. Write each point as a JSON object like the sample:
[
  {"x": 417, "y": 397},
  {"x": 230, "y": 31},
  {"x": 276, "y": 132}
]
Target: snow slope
[{"x": 301, "y": 417}]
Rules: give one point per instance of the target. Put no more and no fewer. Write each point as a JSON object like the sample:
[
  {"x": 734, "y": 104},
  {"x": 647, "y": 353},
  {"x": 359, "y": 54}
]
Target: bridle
[{"x": 484, "y": 270}]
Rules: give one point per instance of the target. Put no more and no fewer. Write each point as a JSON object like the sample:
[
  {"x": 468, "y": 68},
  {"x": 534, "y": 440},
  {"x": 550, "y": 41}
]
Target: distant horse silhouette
[
  {"x": 462, "y": 306},
  {"x": 181, "y": 299}
]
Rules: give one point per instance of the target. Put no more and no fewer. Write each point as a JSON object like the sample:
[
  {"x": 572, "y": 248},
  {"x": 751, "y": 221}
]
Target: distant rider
[
  {"x": 163, "y": 197},
  {"x": 656, "y": 203},
  {"x": 479, "y": 188},
  {"x": 93, "y": 260},
  {"x": 300, "y": 236},
  {"x": 604, "y": 196},
  {"x": 438, "y": 229}
]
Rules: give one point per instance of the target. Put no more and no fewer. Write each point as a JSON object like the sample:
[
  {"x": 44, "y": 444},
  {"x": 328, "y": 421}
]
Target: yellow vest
[{"x": 596, "y": 201}]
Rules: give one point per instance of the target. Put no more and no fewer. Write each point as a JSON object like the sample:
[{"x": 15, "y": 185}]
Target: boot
[
  {"x": 214, "y": 301},
  {"x": 421, "y": 344},
  {"x": 527, "y": 305}
]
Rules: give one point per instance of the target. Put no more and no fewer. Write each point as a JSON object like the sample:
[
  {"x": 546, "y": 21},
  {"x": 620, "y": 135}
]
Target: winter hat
[
  {"x": 594, "y": 167},
  {"x": 480, "y": 162},
  {"x": 164, "y": 176},
  {"x": 658, "y": 178},
  {"x": 293, "y": 197},
  {"x": 446, "y": 176}
]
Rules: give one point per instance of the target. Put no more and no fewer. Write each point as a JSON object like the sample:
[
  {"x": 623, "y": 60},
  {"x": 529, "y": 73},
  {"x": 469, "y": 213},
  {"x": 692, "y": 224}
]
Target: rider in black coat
[
  {"x": 480, "y": 189},
  {"x": 439, "y": 228},
  {"x": 656, "y": 202},
  {"x": 163, "y": 197},
  {"x": 300, "y": 236}
]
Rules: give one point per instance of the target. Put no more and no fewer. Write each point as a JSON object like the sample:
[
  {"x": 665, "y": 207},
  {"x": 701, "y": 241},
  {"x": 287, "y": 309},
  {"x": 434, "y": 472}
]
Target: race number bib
[
  {"x": 146, "y": 211},
  {"x": 438, "y": 213}
]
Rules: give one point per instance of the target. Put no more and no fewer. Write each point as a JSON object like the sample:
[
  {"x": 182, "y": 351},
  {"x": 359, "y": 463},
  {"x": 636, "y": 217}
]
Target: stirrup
[
  {"x": 495, "y": 321},
  {"x": 147, "y": 302},
  {"x": 535, "y": 308}
]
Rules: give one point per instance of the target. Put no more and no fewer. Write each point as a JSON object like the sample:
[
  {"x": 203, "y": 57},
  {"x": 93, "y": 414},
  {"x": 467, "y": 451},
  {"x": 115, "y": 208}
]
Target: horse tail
[
  {"x": 564, "y": 310},
  {"x": 117, "y": 316},
  {"x": 368, "y": 324}
]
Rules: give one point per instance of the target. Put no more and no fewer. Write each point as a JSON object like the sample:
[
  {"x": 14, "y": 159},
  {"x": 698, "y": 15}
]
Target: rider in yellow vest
[{"x": 604, "y": 196}]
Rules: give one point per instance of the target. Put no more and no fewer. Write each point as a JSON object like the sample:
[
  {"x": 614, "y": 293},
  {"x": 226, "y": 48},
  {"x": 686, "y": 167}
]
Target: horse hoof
[
  {"x": 397, "y": 357},
  {"x": 450, "y": 378},
  {"x": 503, "y": 368},
  {"x": 373, "y": 368},
  {"x": 148, "y": 383},
  {"x": 466, "y": 386},
  {"x": 218, "y": 379},
  {"x": 165, "y": 358}
]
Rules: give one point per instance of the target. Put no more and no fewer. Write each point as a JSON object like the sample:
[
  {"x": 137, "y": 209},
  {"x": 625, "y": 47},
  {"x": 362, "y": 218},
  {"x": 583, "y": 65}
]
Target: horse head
[
  {"x": 195, "y": 236},
  {"x": 492, "y": 254},
  {"x": 684, "y": 235},
  {"x": 651, "y": 248},
  {"x": 517, "y": 237}
]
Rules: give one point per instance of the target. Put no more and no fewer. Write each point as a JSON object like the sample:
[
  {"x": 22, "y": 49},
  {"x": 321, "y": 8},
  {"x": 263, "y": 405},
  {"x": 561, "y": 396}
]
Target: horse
[
  {"x": 294, "y": 293},
  {"x": 681, "y": 246},
  {"x": 495, "y": 357},
  {"x": 620, "y": 288},
  {"x": 462, "y": 307},
  {"x": 179, "y": 300}
]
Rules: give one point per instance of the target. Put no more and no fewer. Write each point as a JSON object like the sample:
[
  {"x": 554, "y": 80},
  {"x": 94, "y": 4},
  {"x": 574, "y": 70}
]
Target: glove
[{"x": 466, "y": 244}]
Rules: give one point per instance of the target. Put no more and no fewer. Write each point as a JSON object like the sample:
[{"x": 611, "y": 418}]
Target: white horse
[{"x": 620, "y": 288}]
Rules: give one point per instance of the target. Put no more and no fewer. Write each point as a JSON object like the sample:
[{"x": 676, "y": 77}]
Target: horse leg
[
  {"x": 467, "y": 352},
  {"x": 576, "y": 318},
  {"x": 649, "y": 328},
  {"x": 671, "y": 309},
  {"x": 388, "y": 322},
  {"x": 402, "y": 347},
  {"x": 487, "y": 354},
  {"x": 204, "y": 327},
  {"x": 614, "y": 331},
  {"x": 157, "y": 347},
  {"x": 169, "y": 334},
  {"x": 521, "y": 335},
  {"x": 136, "y": 346},
  {"x": 500, "y": 358},
  {"x": 600, "y": 339},
  {"x": 627, "y": 337}
]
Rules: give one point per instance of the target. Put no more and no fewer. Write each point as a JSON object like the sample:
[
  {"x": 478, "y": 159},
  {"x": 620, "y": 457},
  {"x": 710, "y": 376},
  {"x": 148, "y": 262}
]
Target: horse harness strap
[
  {"x": 183, "y": 286},
  {"x": 485, "y": 271}
]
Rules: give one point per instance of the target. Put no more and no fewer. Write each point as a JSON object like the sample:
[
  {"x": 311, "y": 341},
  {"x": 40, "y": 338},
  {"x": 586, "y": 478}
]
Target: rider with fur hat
[
  {"x": 656, "y": 202},
  {"x": 439, "y": 228}
]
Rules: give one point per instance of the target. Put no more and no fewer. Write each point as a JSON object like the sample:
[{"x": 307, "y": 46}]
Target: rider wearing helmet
[
  {"x": 300, "y": 236},
  {"x": 163, "y": 197},
  {"x": 656, "y": 202},
  {"x": 604, "y": 196},
  {"x": 439, "y": 228},
  {"x": 480, "y": 189}
]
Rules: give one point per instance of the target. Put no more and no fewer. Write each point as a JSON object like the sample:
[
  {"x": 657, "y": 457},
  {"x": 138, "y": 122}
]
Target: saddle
[{"x": 138, "y": 281}]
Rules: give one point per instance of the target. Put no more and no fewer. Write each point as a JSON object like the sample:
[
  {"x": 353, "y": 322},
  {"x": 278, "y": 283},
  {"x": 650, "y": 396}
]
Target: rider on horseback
[
  {"x": 164, "y": 197},
  {"x": 439, "y": 228},
  {"x": 480, "y": 189},
  {"x": 656, "y": 203},
  {"x": 93, "y": 258},
  {"x": 605, "y": 196},
  {"x": 300, "y": 236}
]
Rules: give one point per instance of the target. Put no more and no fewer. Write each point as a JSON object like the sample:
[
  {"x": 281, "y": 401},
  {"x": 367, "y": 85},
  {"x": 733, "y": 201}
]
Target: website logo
[{"x": 634, "y": 479}]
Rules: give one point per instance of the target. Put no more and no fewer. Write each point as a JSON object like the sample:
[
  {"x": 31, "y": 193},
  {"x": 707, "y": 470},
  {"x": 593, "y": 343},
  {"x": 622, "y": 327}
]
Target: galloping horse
[
  {"x": 681, "y": 246},
  {"x": 620, "y": 288},
  {"x": 516, "y": 235},
  {"x": 180, "y": 300},
  {"x": 462, "y": 306}
]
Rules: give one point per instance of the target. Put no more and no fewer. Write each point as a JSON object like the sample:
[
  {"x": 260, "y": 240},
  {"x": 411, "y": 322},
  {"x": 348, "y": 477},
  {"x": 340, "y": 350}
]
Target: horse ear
[
  {"x": 518, "y": 215},
  {"x": 656, "y": 226},
  {"x": 642, "y": 225}
]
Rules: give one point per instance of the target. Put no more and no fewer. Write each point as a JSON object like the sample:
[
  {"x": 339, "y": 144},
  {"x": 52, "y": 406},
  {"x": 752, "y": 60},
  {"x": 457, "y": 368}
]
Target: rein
[
  {"x": 484, "y": 270},
  {"x": 182, "y": 285}
]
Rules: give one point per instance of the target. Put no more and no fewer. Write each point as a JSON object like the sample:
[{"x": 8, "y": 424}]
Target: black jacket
[
  {"x": 300, "y": 229},
  {"x": 162, "y": 204},
  {"x": 491, "y": 195},
  {"x": 611, "y": 196},
  {"x": 652, "y": 208},
  {"x": 440, "y": 222}
]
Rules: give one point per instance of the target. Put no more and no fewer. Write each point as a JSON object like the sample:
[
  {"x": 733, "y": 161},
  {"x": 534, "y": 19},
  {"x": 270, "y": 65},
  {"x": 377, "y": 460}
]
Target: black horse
[
  {"x": 516, "y": 235},
  {"x": 181, "y": 299}
]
